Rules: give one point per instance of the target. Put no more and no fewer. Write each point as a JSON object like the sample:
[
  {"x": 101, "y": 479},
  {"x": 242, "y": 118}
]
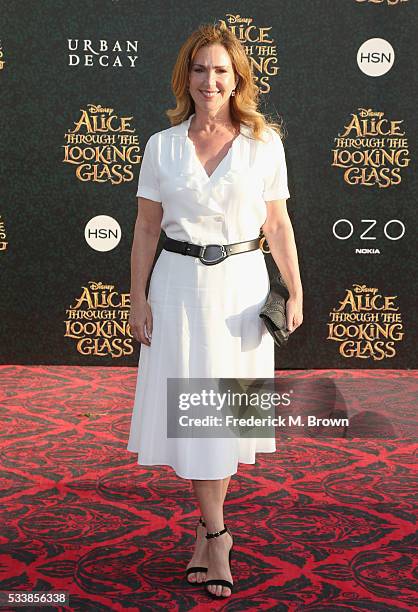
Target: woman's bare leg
[
  {"x": 201, "y": 555},
  {"x": 225, "y": 486},
  {"x": 211, "y": 495}
]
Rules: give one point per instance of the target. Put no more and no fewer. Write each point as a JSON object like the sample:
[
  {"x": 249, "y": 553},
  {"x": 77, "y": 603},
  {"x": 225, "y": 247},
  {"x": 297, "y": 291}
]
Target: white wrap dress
[{"x": 205, "y": 318}]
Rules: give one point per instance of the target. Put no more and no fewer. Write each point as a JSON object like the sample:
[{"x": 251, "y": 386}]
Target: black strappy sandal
[
  {"x": 219, "y": 581},
  {"x": 197, "y": 568}
]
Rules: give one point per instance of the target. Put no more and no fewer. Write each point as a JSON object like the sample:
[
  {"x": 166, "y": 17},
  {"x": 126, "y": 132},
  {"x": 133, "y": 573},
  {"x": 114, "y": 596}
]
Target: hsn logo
[
  {"x": 102, "y": 233},
  {"x": 375, "y": 57}
]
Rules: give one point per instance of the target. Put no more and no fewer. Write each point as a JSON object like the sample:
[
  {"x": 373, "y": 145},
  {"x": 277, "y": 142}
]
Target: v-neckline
[{"x": 192, "y": 145}]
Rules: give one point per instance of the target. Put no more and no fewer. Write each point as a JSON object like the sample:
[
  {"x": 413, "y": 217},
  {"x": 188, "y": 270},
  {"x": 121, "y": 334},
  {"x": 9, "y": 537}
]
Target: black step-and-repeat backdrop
[{"x": 83, "y": 86}]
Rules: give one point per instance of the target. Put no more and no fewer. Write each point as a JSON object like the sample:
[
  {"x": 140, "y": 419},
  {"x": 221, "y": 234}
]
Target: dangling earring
[{"x": 233, "y": 92}]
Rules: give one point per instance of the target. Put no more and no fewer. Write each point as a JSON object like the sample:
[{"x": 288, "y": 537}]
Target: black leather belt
[{"x": 210, "y": 254}]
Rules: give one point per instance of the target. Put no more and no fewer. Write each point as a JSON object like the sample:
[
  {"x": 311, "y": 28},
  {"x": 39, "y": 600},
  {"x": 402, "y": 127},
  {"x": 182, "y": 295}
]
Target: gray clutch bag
[{"x": 273, "y": 312}]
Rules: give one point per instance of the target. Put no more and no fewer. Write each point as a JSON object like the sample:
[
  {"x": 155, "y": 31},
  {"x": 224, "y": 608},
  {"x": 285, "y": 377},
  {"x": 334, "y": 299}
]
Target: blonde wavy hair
[{"x": 244, "y": 105}]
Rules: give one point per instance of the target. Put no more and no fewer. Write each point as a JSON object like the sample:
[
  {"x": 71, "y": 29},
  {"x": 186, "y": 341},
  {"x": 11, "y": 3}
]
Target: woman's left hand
[{"x": 294, "y": 313}]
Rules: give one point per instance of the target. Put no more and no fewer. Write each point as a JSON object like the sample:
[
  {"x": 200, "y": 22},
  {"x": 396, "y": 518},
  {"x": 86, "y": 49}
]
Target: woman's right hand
[{"x": 140, "y": 320}]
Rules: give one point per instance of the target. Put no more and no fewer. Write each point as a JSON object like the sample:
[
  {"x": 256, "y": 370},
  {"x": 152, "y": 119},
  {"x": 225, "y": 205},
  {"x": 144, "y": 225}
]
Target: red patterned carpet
[{"x": 324, "y": 524}]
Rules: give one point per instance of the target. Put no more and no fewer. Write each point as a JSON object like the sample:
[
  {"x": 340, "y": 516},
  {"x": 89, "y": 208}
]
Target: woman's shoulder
[
  {"x": 273, "y": 142},
  {"x": 156, "y": 137},
  {"x": 172, "y": 130},
  {"x": 268, "y": 136}
]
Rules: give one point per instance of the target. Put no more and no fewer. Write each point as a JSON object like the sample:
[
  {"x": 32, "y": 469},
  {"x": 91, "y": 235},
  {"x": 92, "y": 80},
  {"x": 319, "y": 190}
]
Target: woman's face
[{"x": 211, "y": 78}]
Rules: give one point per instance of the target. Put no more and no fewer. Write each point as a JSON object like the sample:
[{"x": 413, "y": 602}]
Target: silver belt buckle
[{"x": 212, "y": 254}]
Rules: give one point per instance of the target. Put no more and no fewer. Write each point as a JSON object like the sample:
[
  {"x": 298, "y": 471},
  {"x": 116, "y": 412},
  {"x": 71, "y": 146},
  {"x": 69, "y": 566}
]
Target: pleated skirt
[{"x": 206, "y": 324}]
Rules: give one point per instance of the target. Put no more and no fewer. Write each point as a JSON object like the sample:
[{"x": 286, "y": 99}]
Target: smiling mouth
[{"x": 207, "y": 94}]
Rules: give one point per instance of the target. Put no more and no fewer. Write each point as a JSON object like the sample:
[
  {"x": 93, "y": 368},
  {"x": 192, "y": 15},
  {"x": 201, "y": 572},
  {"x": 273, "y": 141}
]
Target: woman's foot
[
  {"x": 200, "y": 556},
  {"x": 218, "y": 567}
]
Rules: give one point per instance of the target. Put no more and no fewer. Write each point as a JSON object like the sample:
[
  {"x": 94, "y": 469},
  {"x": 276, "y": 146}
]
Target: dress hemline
[{"x": 162, "y": 463}]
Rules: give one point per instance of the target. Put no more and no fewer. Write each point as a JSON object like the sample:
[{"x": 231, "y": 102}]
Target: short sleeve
[
  {"x": 275, "y": 179},
  {"x": 148, "y": 181}
]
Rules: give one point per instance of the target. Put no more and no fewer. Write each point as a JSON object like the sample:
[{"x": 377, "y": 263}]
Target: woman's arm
[
  {"x": 144, "y": 245},
  {"x": 278, "y": 231}
]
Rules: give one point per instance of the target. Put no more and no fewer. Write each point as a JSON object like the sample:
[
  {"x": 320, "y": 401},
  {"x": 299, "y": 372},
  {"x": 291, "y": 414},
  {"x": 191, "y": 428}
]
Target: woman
[{"x": 215, "y": 176}]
